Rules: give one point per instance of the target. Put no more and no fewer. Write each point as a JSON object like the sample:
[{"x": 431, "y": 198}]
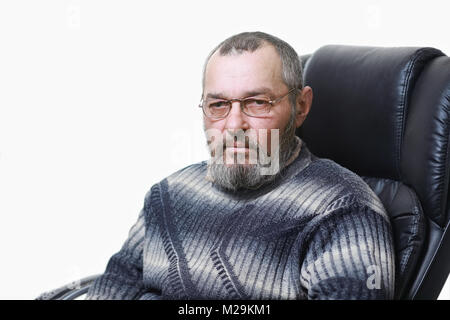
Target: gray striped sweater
[{"x": 317, "y": 232}]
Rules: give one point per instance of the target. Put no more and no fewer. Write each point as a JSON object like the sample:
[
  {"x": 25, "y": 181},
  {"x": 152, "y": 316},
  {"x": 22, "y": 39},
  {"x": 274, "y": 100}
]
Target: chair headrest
[
  {"x": 384, "y": 112},
  {"x": 361, "y": 96}
]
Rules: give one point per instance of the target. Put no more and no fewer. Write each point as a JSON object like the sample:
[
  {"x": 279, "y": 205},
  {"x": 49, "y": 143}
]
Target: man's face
[{"x": 249, "y": 74}]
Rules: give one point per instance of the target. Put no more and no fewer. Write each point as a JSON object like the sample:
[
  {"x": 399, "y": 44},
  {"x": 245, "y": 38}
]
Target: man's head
[{"x": 261, "y": 66}]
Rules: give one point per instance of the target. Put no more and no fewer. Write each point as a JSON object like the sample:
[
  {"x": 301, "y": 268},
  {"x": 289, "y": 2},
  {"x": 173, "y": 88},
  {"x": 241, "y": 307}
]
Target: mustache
[
  {"x": 239, "y": 140},
  {"x": 259, "y": 141}
]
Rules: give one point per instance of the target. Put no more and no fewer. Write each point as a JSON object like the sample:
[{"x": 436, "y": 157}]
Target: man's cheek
[
  {"x": 214, "y": 138},
  {"x": 264, "y": 140}
]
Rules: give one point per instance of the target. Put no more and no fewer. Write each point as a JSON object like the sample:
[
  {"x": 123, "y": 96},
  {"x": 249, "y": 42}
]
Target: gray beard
[{"x": 238, "y": 176}]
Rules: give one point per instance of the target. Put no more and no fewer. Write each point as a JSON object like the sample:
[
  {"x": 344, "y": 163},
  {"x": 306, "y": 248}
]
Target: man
[{"x": 264, "y": 218}]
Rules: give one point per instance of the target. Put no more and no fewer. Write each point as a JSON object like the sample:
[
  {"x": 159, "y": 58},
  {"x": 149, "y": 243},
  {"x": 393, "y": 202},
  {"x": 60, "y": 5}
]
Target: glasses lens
[
  {"x": 216, "y": 109},
  {"x": 256, "y": 107}
]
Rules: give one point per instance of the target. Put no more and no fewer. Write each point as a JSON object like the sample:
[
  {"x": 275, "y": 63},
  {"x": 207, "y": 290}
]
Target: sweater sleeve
[
  {"x": 349, "y": 255},
  {"x": 123, "y": 277}
]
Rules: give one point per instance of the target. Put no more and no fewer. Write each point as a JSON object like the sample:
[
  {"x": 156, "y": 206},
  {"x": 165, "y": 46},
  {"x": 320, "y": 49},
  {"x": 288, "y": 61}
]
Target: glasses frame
[{"x": 230, "y": 102}]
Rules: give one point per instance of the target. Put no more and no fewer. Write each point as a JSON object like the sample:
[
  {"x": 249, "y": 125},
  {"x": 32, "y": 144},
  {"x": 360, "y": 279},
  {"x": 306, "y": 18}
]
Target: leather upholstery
[
  {"x": 425, "y": 162},
  {"x": 361, "y": 96},
  {"x": 384, "y": 113},
  {"x": 408, "y": 224}
]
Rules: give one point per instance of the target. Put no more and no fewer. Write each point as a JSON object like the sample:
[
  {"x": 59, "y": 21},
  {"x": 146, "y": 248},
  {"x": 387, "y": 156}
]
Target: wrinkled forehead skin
[{"x": 236, "y": 74}]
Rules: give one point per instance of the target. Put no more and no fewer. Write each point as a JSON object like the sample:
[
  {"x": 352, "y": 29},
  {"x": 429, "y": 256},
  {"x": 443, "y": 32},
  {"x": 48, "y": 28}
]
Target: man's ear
[{"x": 304, "y": 101}]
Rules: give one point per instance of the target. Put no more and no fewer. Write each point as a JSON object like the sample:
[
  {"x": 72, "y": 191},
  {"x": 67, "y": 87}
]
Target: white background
[{"x": 98, "y": 101}]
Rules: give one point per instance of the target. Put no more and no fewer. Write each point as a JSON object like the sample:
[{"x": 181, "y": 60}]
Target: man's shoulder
[
  {"x": 190, "y": 171},
  {"x": 353, "y": 188},
  {"x": 192, "y": 174},
  {"x": 331, "y": 172}
]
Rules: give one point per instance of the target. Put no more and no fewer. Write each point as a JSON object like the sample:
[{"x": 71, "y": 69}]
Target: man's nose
[{"x": 236, "y": 119}]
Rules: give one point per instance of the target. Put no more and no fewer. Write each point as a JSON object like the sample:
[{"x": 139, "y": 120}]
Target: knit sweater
[{"x": 316, "y": 232}]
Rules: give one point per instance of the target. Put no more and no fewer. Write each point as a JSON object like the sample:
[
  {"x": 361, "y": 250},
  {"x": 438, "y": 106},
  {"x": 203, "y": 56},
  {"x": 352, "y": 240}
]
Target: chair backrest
[{"x": 384, "y": 113}]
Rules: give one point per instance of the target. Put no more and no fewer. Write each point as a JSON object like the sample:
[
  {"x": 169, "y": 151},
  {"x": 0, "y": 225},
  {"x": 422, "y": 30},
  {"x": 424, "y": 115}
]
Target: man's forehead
[
  {"x": 260, "y": 69},
  {"x": 266, "y": 54},
  {"x": 245, "y": 93}
]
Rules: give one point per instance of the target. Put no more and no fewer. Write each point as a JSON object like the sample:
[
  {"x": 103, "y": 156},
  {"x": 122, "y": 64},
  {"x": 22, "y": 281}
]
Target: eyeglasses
[{"x": 253, "y": 107}]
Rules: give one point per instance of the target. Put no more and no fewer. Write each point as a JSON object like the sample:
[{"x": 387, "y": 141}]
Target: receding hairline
[
  {"x": 234, "y": 52},
  {"x": 259, "y": 44}
]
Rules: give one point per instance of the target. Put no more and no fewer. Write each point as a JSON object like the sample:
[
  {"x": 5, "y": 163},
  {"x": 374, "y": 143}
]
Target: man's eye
[
  {"x": 256, "y": 103},
  {"x": 219, "y": 104}
]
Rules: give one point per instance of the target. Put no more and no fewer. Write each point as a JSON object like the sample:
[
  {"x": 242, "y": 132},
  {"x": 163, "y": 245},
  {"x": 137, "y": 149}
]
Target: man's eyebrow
[{"x": 250, "y": 93}]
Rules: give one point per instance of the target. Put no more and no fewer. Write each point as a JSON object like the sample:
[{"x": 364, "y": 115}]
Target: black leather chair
[{"x": 384, "y": 113}]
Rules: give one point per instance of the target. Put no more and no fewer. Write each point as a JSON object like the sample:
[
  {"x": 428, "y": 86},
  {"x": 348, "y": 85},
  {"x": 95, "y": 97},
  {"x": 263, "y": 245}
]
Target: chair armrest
[{"x": 70, "y": 291}]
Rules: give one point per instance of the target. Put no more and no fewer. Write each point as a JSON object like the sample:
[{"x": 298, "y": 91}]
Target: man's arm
[
  {"x": 123, "y": 277},
  {"x": 350, "y": 255}
]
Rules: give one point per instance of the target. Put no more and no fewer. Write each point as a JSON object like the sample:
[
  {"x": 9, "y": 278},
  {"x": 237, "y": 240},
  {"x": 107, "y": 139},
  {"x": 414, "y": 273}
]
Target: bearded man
[{"x": 263, "y": 218}]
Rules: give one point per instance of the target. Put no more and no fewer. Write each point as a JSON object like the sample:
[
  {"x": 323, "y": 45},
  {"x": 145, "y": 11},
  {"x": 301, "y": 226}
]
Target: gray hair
[{"x": 250, "y": 41}]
